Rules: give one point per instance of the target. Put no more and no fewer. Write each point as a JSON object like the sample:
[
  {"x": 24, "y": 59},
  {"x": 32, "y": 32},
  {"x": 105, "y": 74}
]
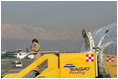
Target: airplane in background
[{"x": 3, "y": 52}]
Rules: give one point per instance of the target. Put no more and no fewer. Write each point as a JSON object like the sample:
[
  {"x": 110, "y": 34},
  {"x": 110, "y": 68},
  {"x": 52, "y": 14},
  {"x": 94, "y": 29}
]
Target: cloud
[{"x": 26, "y": 32}]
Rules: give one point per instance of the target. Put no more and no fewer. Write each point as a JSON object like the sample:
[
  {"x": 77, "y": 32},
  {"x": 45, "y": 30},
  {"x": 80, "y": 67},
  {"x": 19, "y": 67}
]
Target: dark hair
[{"x": 35, "y": 40}]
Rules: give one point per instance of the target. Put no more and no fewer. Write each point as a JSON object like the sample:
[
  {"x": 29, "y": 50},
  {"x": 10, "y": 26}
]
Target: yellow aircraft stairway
[{"x": 63, "y": 65}]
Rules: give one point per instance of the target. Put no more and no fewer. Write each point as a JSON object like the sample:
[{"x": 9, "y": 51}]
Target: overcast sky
[{"x": 57, "y": 25}]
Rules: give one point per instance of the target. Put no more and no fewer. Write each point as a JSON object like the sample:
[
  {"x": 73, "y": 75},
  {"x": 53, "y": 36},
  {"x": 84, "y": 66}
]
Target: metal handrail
[{"x": 35, "y": 64}]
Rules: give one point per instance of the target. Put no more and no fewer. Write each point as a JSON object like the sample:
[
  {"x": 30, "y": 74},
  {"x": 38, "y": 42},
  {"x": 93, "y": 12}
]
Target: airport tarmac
[{"x": 5, "y": 63}]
